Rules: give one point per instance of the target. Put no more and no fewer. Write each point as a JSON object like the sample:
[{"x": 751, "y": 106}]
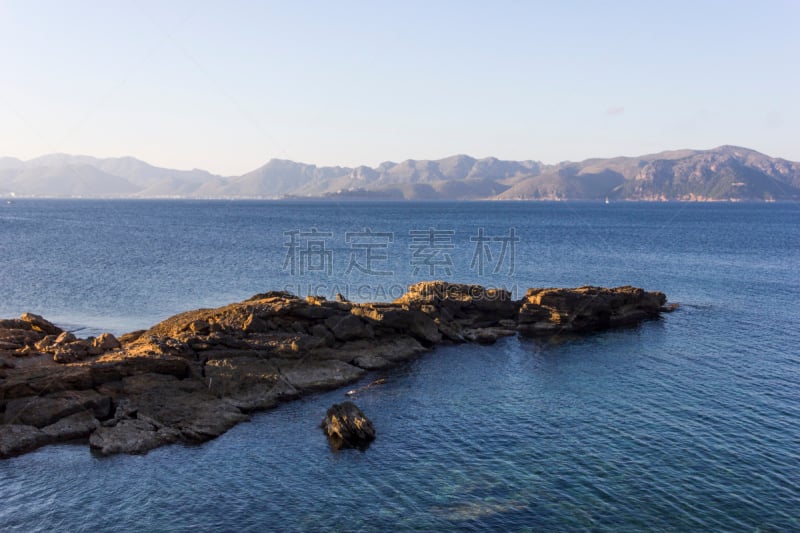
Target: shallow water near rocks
[{"x": 687, "y": 422}]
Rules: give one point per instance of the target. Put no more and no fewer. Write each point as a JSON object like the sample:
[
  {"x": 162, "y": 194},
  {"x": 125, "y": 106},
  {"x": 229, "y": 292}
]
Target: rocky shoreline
[{"x": 193, "y": 376}]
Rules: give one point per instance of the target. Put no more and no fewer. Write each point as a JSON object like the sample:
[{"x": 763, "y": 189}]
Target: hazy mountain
[{"x": 724, "y": 173}]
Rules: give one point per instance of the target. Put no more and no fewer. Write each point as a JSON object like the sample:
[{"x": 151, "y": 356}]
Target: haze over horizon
[{"x": 226, "y": 87}]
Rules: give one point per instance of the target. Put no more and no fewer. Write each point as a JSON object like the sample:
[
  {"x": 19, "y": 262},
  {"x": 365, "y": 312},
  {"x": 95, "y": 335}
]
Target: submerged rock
[{"x": 346, "y": 426}]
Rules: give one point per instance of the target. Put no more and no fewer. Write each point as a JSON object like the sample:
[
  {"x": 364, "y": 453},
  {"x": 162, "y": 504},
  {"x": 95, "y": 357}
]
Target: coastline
[{"x": 195, "y": 375}]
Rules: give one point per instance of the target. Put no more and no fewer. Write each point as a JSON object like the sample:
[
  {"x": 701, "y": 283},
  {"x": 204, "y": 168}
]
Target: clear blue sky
[{"x": 226, "y": 86}]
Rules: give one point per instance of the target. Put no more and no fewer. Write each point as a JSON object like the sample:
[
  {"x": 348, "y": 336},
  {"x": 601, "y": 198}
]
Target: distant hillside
[{"x": 724, "y": 173}]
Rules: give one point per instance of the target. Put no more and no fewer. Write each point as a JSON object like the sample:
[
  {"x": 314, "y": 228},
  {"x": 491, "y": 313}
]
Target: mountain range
[{"x": 725, "y": 173}]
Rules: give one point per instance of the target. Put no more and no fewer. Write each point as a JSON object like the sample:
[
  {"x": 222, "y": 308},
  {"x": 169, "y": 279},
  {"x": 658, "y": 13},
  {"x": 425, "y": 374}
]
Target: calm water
[{"x": 690, "y": 422}]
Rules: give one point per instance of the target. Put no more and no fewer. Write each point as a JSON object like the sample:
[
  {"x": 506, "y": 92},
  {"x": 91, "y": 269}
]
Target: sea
[{"x": 685, "y": 423}]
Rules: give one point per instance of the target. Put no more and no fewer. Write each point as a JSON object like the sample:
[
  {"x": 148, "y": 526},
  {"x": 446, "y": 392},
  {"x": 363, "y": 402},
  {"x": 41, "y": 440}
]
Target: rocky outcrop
[
  {"x": 549, "y": 311},
  {"x": 346, "y": 426},
  {"x": 196, "y": 374}
]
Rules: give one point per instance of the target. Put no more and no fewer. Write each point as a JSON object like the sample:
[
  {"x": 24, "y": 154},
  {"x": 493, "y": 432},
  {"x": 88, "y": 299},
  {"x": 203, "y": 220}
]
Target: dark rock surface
[
  {"x": 346, "y": 426},
  {"x": 195, "y": 375}
]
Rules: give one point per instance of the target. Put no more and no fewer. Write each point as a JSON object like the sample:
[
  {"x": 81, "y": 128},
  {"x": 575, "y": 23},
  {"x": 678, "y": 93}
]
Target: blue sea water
[{"x": 686, "y": 423}]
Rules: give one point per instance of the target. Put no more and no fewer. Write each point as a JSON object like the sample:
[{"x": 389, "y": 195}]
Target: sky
[{"x": 226, "y": 86}]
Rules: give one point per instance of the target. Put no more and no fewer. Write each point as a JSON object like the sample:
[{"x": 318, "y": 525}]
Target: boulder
[
  {"x": 39, "y": 324},
  {"x": 346, "y": 426},
  {"x": 65, "y": 338},
  {"x": 105, "y": 342}
]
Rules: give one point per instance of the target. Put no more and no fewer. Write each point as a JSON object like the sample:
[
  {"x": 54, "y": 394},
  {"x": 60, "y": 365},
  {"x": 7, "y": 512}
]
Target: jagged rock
[
  {"x": 39, "y": 324},
  {"x": 346, "y": 426},
  {"x": 401, "y": 319},
  {"x": 481, "y": 305},
  {"x": 196, "y": 374},
  {"x": 46, "y": 343},
  {"x": 586, "y": 308},
  {"x": 72, "y": 352}
]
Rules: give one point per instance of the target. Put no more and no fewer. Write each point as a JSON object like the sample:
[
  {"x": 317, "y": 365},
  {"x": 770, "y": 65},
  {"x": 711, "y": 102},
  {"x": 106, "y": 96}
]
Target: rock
[
  {"x": 487, "y": 335},
  {"x": 200, "y": 327},
  {"x": 65, "y": 338},
  {"x": 253, "y": 324},
  {"x": 401, "y": 319},
  {"x": 131, "y": 337},
  {"x": 46, "y": 343},
  {"x": 193, "y": 376},
  {"x": 106, "y": 342},
  {"x": 346, "y": 426},
  {"x": 131, "y": 436},
  {"x": 359, "y": 390},
  {"x": 114, "y": 366},
  {"x": 72, "y": 352},
  {"x": 9, "y": 346},
  {"x": 41, "y": 411},
  {"x": 308, "y": 376},
  {"x": 305, "y": 343},
  {"x": 77, "y": 426},
  {"x": 44, "y": 379},
  {"x": 16, "y": 439},
  {"x": 347, "y": 328},
  {"x": 168, "y": 410},
  {"x": 371, "y": 362},
  {"x": 322, "y": 332},
  {"x": 250, "y": 383},
  {"x": 14, "y": 323},
  {"x": 586, "y": 308},
  {"x": 39, "y": 324},
  {"x": 16, "y": 339}
]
